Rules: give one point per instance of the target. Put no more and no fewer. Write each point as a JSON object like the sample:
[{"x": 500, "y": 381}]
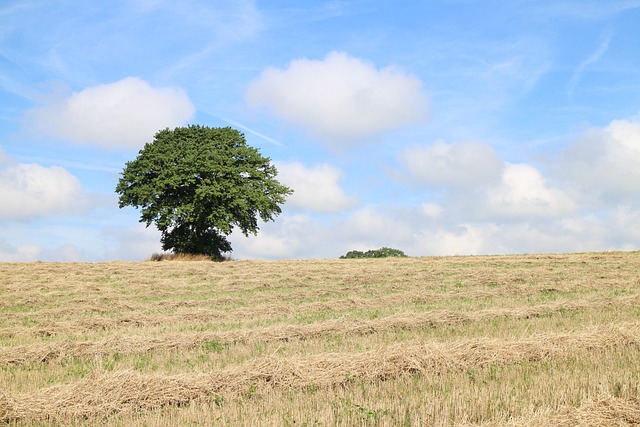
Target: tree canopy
[
  {"x": 374, "y": 253},
  {"x": 197, "y": 183}
]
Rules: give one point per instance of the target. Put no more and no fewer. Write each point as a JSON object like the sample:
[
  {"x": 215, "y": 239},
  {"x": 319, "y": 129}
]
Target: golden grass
[{"x": 496, "y": 340}]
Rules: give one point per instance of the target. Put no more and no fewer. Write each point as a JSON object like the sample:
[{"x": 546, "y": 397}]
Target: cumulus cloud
[
  {"x": 458, "y": 165},
  {"x": 340, "y": 98},
  {"x": 372, "y": 227},
  {"x": 524, "y": 193},
  {"x": 30, "y": 190},
  {"x": 478, "y": 238},
  {"x": 605, "y": 162},
  {"x": 479, "y": 184},
  {"x": 626, "y": 220},
  {"x": 124, "y": 114},
  {"x": 291, "y": 236},
  {"x": 432, "y": 210},
  {"x": 417, "y": 233},
  {"x": 21, "y": 253},
  {"x": 464, "y": 239},
  {"x": 133, "y": 243},
  {"x": 315, "y": 188},
  {"x": 4, "y": 157}
]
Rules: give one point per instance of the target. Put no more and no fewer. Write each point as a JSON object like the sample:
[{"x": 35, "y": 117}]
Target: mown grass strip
[
  {"x": 56, "y": 351},
  {"x": 106, "y": 393}
]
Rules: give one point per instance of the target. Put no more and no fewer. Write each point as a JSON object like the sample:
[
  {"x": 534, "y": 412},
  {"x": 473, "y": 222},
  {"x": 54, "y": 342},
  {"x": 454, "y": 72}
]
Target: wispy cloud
[
  {"x": 603, "y": 45},
  {"x": 322, "y": 11},
  {"x": 587, "y": 10},
  {"x": 70, "y": 164},
  {"x": 251, "y": 131}
]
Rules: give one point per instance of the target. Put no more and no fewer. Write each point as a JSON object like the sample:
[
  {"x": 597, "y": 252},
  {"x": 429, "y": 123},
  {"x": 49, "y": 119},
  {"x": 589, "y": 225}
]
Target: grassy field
[{"x": 488, "y": 341}]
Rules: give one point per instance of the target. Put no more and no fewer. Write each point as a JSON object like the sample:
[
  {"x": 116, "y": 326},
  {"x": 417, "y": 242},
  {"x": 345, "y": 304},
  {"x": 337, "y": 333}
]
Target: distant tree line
[{"x": 374, "y": 253}]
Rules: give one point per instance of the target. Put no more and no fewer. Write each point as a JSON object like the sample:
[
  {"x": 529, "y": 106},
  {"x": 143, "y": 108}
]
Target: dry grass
[{"x": 491, "y": 341}]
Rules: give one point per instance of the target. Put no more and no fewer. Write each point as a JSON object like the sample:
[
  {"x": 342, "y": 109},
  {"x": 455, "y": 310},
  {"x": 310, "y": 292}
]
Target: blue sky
[{"x": 435, "y": 127}]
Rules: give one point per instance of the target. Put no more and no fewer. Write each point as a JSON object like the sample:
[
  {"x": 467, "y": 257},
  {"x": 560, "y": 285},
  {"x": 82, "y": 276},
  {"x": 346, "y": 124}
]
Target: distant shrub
[
  {"x": 374, "y": 253},
  {"x": 169, "y": 256}
]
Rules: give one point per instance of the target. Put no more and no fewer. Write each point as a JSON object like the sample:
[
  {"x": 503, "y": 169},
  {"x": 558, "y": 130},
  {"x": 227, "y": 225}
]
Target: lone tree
[{"x": 197, "y": 183}]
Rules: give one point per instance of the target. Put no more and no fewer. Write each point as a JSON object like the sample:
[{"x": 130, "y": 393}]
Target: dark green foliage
[
  {"x": 197, "y": 183},
  {"x": 377, "y": 253}
]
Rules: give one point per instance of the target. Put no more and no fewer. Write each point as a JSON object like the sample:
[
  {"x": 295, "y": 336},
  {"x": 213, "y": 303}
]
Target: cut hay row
[
  {"x": 603, "y": 411},
  {"x": 49, "y": 352},
  {"x": 101, "y": 394},
  {"x": 607, "y": 411},
  {"x": 86, "y": 318}
]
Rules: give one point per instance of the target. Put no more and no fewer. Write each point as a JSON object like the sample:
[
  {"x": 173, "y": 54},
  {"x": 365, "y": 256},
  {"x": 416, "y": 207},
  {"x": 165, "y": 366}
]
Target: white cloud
[
  {"x": 372, "y": 227},
  {"x": 341, "y": 98},
  {"x": 30, "y": 190},
  {"x": 525, "y": 194},
  {"x": 21, "y": 253},
  {"x": 481, "y": 185},
  {"x": 466, "y": 239},
  {"x": 124, "y": 114},
  {"x": 66, "y": 252},
  {"x": 316, "y": 188},
  {"x": 432, "y": 210},
  {"x": 132, "y": 243},
  {"x": 4, "y": 157},
  {"x": 290, "y": 236},
  {"x": 606, "y": 162},
  {"x": 410, "y": 230},
  {"x": 626, "y": 220},
  {"x": 459, "y": 165}
]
